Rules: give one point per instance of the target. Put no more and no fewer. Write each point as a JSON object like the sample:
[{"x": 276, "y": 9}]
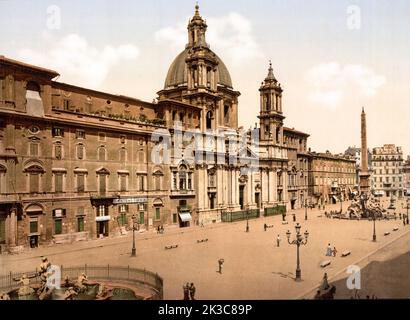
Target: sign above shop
[{"x": 130, "y": 200}]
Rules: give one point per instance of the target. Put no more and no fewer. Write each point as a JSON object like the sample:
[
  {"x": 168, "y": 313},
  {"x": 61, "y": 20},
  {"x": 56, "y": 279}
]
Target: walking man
[
  {"x": 334, "y": 251},
  {"x": 186, "y": 291},
  {"x": 264, "y": 226},
  {"x": 278, "y": 241},
  {"x": 220, "y": 263},
  {"x": 329, "y": 250},
  {"x": 192, "y": 290}
]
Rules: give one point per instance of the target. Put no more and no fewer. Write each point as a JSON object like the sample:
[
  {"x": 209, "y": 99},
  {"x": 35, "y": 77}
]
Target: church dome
[{"x": 177, "y": 73}]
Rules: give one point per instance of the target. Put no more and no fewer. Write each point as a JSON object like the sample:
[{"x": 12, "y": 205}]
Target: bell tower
[{"x": 270, "y": 115}]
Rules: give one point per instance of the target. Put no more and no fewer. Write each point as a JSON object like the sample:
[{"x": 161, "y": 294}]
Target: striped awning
[{"x": 185, "y": 217}]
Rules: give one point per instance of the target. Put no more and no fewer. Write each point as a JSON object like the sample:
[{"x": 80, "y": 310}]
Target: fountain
[{"x": 131, "y": 287}]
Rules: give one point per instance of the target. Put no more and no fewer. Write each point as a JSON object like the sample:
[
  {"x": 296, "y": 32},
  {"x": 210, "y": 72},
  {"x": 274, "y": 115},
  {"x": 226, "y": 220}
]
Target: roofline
[
  {"x": 61, "y": 85},
  {"x": 11, "y": 62},
  {"x": 296, "y": 131}
]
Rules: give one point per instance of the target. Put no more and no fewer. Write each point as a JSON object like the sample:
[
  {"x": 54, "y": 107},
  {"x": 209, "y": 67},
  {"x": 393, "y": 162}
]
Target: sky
[{"x": 331, "y": 57}]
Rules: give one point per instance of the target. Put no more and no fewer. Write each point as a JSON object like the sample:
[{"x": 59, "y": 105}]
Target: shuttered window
[
  {"x": 58, "y": 226},
  {"x": 34, "y": 182},
  {"x": 58, "y": 180},
  {"x": 80, "y": 224},
  {"x": 80, "y": 183}
]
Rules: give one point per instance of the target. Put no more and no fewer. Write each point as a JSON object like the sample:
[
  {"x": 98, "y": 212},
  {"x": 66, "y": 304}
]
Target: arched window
[
  {"x": 101, "y": 153},
  {"x": 34, "y": 172},
  {"x": 267, "y": 101},
  {"x": 158, "y": 180},
  {"x": 58, "y": 150},
  {"x": 123, "y": 155},
  {"x": 80, "y": 152},
  {"x": 103, "y": 175},
  {"x": 182, "y": 173},
  {"x": 226, "y": 114}
]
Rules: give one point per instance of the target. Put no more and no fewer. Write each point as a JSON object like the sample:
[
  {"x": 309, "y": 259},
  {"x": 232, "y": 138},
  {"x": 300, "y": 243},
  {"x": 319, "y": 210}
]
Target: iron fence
[
  {"x": 126, "y": 274},
  {"x": 240, "y": 215}
]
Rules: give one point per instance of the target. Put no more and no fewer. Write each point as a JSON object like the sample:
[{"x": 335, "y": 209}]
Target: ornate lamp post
[
  {"x": 247, "y": 220},
  {"x": 306, "y": 205},
  {"x": 298, "y": 242},
  {"x": 134, "y": 250}
]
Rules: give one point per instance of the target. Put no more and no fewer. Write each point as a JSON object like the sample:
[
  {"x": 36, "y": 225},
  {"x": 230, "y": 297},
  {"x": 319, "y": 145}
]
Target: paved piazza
[{"x": 254, "y": 268}]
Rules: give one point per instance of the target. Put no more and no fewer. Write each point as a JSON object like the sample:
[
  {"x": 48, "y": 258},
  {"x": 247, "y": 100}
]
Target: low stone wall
[{"x": 70, "y": 237}]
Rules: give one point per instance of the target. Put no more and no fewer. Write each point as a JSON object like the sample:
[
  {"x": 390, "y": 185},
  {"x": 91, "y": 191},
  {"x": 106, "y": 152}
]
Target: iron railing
[{"x": 94, "y": 272}]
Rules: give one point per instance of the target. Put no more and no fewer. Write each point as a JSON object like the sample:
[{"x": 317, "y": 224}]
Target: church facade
[{"x": 80, "y": 164}]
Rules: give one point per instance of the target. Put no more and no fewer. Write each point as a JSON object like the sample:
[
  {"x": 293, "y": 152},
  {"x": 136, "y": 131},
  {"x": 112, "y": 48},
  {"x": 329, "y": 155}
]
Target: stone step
[{"x": 346, "y": 253}]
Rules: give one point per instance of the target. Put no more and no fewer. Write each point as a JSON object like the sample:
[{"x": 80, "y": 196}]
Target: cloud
[
  {"x": 229, "y": 35},
  {"x": 331, "y": 84},
  {"x": 76, "y": 60}
]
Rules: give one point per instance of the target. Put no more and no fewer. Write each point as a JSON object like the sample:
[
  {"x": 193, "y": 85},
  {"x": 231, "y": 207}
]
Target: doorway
[
  {"x": 257, "y": 200},
  {"x": 241, "y": 192},
  {"x": 33, "y": 241},
  {"x": 102, "y": 229}
]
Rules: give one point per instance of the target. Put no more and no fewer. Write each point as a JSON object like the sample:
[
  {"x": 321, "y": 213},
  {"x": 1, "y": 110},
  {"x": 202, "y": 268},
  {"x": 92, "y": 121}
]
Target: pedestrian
[
  {"x": 264, "y": 226},
  {"x": 284, "y": 216},
  {"x": 294, "y": 217},
  {"x": 407, "y": 219},
  {"x": 192, "y": 290},
  {"x": 220, "y": 263},
  {"x": 329, "y": 250},
  {"x": 404, "y": 221},
  {"x": 186, "y": 291},
  {"x": 278, "y": 241},
  {"x": 334, "y": 251},
  {"x": 400, "y": 215},
  {"x": 158, "y": 229}
]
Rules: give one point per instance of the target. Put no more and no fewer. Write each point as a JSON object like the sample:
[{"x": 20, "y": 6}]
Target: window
[
  {"x": 141, "y": 182},
  {"x": 123, "y": 154},
  {"x": 211, "y": 179},
  {"x": 174, "y": 218},
  {"x": 101, "y": 153},
  {"x": 34, "y": 149},
  {"x": 66, "y": 104},
  {"x": 157, "y": 213},
  {"x": 122, "y": 139},
  {"x": 142, "y": 217},
  {"x": 123, "y": 182},
  {"x": 174, "y": 181},
  {"x": 58, "y": 182},
  {"x": 102, "y": 183},
  {"x": 101, "y": 136},
  {"x": 80, "y": 151},
  {"x": 157, "y": 179},
  {"x": 57, "y": 132},
  {"x": 102, "y": 211},
  {"x": 122, "y": 219},
  {"x": 34, "y": 182},
  {"x": 58, "y": 151},
  {"x": 141, "y": 156},
  {"x": 80, "y": 134},
  {"x": 80, "y": 224},
  {"x": 226, "y": 114},
  {"x": 58, "y": 226},
  {"x": 33, "y": 226},
  {"x": 80, "y": 182},
  {"x": 123, "y": 208}
]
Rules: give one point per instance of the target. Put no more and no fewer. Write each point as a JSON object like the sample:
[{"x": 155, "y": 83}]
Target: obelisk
[{"x": 364, "y": 172}]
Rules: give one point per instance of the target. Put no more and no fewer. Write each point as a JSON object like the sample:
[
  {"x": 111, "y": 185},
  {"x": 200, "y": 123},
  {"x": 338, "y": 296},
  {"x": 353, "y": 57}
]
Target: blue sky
[{"x": 328, "y": 71}]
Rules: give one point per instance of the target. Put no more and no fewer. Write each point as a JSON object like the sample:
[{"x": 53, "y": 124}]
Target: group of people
[
  {"x": 331, "y": 252},
  {"x": 189, "y": 291},
  {"x": 160, "y": 229}
]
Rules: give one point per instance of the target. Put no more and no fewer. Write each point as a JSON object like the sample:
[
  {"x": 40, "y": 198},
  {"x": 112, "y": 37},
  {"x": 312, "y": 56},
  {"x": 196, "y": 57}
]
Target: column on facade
[
  {"x": 236, "y": 179},
  {"x": 205, "y": 187},
  {"x": 12, "y": 227},
  {"x": 264, "y": 185},
  {"x": 219, "y": 186}
]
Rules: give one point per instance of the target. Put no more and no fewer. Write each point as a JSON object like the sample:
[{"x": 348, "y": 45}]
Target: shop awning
[
  {"x": 334, "y": 197},
  {"x": 185, "y": 217}
]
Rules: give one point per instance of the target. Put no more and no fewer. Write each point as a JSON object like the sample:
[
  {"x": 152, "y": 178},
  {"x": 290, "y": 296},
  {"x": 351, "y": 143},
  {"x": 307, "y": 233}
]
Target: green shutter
[
  {"x": 58, "y": 226},
  {"x": 157, "y": 213},
  {"x": 80, "y": 224},
  {"x": 33, "y": 227},
  {"x": 142, "y": 216}
]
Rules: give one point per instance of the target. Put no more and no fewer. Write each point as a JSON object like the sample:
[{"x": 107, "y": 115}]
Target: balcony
[
  {"x": 184, "y": 208},
  {"x": 182, "y": 193}
]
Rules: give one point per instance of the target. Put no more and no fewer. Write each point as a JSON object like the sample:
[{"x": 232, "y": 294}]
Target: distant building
[
  {"x": 388, "y": 177},
  {"x": 406, "y": 174},
  {"x": 356, "y": 153},
  {"x": 331, "y": 177}
]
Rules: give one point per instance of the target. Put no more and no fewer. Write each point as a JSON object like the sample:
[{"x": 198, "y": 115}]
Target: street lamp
[
  {"x": 298, "y": 242},
  {"x": 247, "y": 220},
  {"x": 134, "y": 250},
  {"x": 306, "y": 209}
]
